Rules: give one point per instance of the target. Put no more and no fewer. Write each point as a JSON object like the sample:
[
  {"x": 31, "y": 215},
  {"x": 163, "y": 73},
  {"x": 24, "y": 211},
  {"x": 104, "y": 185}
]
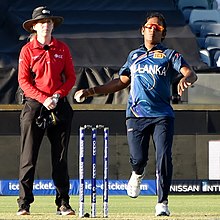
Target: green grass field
[{"x": 121, "y": 207}]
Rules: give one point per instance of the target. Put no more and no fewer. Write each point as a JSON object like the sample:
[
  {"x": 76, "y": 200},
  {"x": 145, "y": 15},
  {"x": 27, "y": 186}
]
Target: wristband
[
  {"x": 91, "y": 91},
  {"x": 56, "y": 97}
]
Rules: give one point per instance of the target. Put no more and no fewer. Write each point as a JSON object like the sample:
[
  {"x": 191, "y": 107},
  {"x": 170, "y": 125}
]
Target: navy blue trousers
[{"x": 139, "y": 131}]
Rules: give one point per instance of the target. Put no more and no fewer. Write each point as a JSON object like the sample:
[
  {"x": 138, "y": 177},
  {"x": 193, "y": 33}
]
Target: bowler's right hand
[{"x": 80, "y": 95}]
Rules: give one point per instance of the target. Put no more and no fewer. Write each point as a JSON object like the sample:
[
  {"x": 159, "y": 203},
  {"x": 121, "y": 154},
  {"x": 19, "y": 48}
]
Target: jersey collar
[
  {"x": 36, "y": 45},
  {"x": 156, "y": 47}
]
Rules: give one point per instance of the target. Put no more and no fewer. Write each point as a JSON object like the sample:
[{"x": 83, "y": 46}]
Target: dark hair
[{"x": 160, "y": 17}]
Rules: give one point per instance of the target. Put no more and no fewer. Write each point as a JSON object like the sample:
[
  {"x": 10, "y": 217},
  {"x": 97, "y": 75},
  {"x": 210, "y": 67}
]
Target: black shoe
[
  {"x": 24, "y": 210},
  {"x": 65, "y": 210}
]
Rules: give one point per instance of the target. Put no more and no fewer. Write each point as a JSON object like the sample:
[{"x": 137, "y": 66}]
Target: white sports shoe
[
  {"x": 162, "y": 209},
  {"x": 133, "y": 188}
]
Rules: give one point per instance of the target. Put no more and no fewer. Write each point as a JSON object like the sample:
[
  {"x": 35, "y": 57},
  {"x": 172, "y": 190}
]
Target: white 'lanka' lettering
[{"x": 151, "y": 69}]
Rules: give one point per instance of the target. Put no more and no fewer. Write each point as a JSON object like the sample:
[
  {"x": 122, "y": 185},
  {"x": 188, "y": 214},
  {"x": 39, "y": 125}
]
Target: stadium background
[{"x": 100, "y": 34}]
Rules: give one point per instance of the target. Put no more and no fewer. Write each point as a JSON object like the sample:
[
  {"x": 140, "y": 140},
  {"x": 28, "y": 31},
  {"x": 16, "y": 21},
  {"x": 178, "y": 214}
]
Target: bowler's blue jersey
[{"x": 151, "y": 74}]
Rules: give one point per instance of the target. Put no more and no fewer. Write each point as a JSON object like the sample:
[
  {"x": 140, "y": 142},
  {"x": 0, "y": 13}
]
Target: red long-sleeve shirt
[{"x": 43, "y": 72}]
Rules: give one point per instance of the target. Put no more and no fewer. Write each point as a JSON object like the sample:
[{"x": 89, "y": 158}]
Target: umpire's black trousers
[{"x": 31, "y": 139}]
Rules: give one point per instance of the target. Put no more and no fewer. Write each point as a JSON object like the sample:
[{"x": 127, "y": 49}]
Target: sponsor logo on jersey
[
  {"x": 158, "y": 54},
  {"x": 134, "y": 56},
  {"x": 59, "y": 56}
]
